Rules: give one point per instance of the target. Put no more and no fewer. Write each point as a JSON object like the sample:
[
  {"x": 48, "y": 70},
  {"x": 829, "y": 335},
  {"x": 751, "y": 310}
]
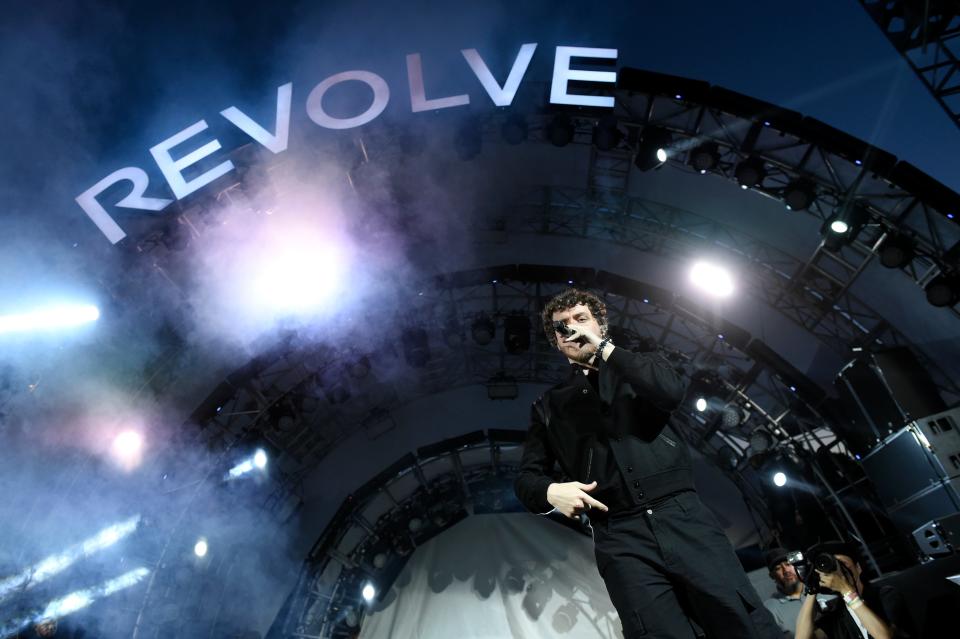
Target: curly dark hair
[{"x": 568, "y": 299}]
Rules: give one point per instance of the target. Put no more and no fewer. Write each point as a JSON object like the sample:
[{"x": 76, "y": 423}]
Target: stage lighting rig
[
  {"x": 704, "y": 157},
  {"x": 514, "y": 130},
  {"x": 897, "y": 250},
  {"x": 843, "y": 226},
  {"x": 560, "y": 130},
  {"x": 799, "y": 194},
  {"x": 943, "y": 291},
  {"x": 750, "y": 173},
  {"x": 606, "y": 135},
  {"x": 483, "y": 330},
  {"x": 653, "y": 148}
]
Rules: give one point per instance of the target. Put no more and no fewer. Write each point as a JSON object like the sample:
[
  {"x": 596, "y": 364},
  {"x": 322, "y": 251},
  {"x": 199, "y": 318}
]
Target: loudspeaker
[
  {"x": 939, "y": 537},
  {"x": 935, "y": 502},
  {"x": 882, "y": 391},
  {"x": 942, "y": 431},
  {"x": 909, "y": 382},
  {"x": 901, "y": 467}
]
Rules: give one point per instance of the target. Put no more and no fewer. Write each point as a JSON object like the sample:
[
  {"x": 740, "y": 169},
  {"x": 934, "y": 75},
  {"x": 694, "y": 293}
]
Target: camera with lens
[{"x": 807, "y": 570}]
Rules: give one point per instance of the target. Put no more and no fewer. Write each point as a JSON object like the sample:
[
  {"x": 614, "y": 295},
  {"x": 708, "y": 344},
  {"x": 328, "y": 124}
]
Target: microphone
[{"x": 562, "y": 328}]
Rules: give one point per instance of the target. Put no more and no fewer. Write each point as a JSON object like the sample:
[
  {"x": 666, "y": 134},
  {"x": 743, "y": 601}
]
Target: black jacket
[{"x": 572, "y": 426}]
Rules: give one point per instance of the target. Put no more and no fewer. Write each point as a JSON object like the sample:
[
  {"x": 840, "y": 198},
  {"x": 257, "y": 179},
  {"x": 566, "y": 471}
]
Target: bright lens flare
[
  {"x": 661, "y": 155},
  {"x": 701, "y": 404},
  {"x": 51, "y": 317},
  {"x": 780, "y": 479},
  {"x": 297, "y": 278},
  {"x": 712, "y": 279},
  {"x": 260, "y": 459},
  {"x": 369, "y": 592},
  {"x": 127, "y": 449}
]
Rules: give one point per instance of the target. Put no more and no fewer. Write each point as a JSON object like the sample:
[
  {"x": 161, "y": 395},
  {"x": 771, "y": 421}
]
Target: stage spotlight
[
  {"x": 701, "y": 404},
  {"x": 369, "y": 592},
  {"x": 467, "y": 141},
  {"x": 416, "y": 347},
  {"x": 560, "y": 130},
  {"x": 779, "y": 479},
  {"x": 258, "y": 460},
  {"x": 799, "y": 194},
  {"x": 704, "y": 157},
  {"x": 897, "y": 250},
  {"x": 127, "y": 448},
  {"x": 653, "y": 148},
  {"x": 350, "y": 618},
  {"x": 59, "y": 316},
  {"x": 750, "y": 173},
  {"x": 730, "y": 416},
  {"x": 359, "y": 368},
  {"x": 606, "y": 135},
  {"x": 843, "y": 226},
  {"x": 711, "y": 279},
  {"x": 483, "y": 330},
  {"x": 514, "y": 130},
  {"x": 760, "y": 441},
  {"x": 728, "y": 457},
  {"x": 943, "y": 290},
  {"x": 516, "y": 334},
  {"x": 200, "y": 548}
]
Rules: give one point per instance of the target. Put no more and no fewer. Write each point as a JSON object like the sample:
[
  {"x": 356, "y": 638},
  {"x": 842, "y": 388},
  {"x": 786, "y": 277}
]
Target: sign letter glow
[
  {"x": 276, "y": 142},
  {"x": 501, "y": 96},
  {"x": 381, "y": 95},
  {"x": 172, "y": 169},
  {"x": 136, "y": 200},
  {"x": 562, "y": 74},
  {"x": 418, "y": 94}
]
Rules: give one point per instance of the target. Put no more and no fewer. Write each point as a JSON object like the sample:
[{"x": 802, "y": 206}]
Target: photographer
[
  {"x": 861, "y": 612},
  {"x": 785, "y": 604}
]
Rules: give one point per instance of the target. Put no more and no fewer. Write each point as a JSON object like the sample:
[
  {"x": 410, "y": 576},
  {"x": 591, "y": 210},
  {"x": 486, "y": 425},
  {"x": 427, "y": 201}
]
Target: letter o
[{"x": 381, "y": 95}]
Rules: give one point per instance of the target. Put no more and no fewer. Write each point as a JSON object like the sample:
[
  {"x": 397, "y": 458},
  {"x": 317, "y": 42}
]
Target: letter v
[
  {"x": 276, "y": 142},
  {"x": 501, "y": 96}
]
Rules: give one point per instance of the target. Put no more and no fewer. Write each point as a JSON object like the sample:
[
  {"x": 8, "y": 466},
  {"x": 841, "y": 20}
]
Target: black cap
[{"x": 774, "y": 557}]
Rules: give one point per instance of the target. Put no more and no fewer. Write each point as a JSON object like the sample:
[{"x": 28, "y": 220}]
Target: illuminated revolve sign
[{"x": 173, "y": 166}]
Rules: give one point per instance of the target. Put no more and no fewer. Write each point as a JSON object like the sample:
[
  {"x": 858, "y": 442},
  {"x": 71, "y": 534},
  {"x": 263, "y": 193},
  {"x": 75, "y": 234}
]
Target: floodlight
[{"x": 712, "y": 279}]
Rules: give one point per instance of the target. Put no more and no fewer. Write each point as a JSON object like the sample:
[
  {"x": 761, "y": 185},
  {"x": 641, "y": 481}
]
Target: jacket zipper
[{"x": 589, "y": 462}]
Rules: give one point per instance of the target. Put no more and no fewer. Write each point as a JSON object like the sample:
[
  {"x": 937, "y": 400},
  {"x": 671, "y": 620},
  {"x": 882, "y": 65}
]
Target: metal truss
[
  {"x": 927, "y": 34},
  {"x": 814, "y": 294}
]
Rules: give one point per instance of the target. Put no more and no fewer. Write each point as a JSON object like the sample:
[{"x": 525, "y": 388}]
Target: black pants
[{"x": 673, "y": 562}]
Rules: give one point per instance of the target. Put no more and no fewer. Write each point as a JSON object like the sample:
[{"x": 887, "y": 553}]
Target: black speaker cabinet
[{"x": 882, "y": 391}]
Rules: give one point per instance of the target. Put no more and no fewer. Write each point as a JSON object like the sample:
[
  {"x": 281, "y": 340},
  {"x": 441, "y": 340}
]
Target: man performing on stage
[{"x": 661, "y": 553}]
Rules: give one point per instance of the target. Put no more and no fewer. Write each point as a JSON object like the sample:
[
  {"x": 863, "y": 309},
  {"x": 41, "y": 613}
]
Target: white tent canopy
[{"x": 499, "y": 575}]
